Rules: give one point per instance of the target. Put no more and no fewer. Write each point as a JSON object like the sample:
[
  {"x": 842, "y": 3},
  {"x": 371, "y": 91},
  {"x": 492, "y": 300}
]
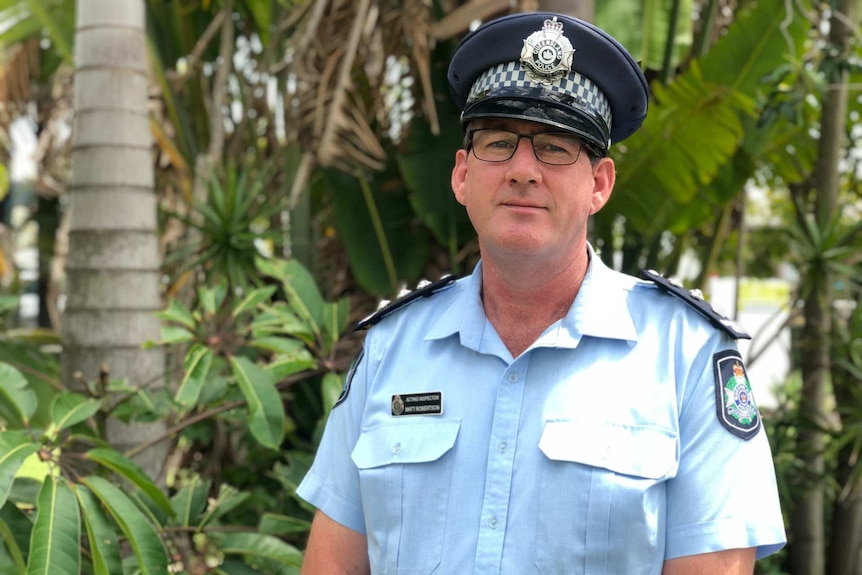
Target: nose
[{"x": 524, "y": 165}]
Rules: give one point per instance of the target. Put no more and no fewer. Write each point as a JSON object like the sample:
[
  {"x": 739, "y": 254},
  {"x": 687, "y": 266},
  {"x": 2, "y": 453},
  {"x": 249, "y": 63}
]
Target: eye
[{"x": 556, "y": 144}]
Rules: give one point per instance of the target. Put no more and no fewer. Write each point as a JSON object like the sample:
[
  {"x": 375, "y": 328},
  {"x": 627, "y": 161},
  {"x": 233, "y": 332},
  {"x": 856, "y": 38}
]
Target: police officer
[{"x": 545, "y": 414}]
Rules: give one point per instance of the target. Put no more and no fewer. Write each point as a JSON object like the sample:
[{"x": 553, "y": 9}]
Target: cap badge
[{"x": 547, "y": 53}]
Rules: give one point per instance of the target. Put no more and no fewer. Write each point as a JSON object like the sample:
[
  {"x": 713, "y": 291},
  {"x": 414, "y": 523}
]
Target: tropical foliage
[
  {"x": 246, "y": 356},
  {"x": 321, "y": 132}
]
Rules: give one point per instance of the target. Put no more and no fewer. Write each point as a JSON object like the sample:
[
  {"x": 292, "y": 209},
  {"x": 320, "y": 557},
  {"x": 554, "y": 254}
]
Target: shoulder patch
[
  {"x": 734, "y": 400},
  {"x": 696, "y": 301},
  {"x": 424, "y": 290},
  {"x": 348, "y": 379}
]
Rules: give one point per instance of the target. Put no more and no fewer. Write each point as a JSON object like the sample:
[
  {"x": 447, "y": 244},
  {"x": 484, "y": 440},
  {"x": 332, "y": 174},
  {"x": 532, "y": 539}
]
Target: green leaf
[
  {"x": 174, "y": 334},
  {"x": 285, "y": 366},
  {"x": 15, "y": 391},
  {"x": 212, "y": 298},
  {"x": 104, "y": 548},
  {"x": 253, "y": 298},
  {"x": 145, "y": 541},
  {"x": 56, "y": 539},
  {"x": 334, "y": 322},
  {"x": 266, "y": 412},
  {"x": 333, "y": 384},
  {"x": 15, "y": 531},
  {"x": 276, "y": 524},
  {"x": 15, "y": 447},
  {"x": 131, "y": 471},
  {"x": 302, "y": 293},
  {"x": 280, "y": 345},
  {"x": 258, "y": 545},
  {"x": 178, "y": 313},
  {"x": 198, "y": 363},
  {"x": 190, "y": 502},
  {"x": 228, "y": 498},
  {"x": 70, "y": 408}
]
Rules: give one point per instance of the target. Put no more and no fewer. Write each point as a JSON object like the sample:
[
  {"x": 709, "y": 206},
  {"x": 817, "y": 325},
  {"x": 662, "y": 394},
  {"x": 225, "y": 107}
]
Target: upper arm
[
  {"x": 335, "y": 549},
  {"x": 727, "y": 562}
]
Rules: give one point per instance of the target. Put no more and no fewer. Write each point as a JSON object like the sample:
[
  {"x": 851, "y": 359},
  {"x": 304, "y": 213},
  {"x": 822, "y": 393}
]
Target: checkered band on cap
[{"x": 513, "y": 75}]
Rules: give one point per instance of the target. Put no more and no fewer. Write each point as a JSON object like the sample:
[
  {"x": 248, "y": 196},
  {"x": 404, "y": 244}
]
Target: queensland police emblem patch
[{"x": 734, "y": 400}]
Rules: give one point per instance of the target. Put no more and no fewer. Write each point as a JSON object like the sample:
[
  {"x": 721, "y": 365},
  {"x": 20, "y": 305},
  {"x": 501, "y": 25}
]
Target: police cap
[{"x": 552, "y": 69}]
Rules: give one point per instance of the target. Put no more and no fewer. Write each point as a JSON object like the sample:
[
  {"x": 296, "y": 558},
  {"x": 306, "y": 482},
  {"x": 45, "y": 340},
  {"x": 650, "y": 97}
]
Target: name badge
[{"x": 428, "y": 403}]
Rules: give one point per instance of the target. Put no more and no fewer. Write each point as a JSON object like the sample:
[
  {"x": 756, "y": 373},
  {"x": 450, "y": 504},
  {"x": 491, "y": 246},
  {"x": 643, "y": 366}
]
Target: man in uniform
[{"x": 545, "y": 414}]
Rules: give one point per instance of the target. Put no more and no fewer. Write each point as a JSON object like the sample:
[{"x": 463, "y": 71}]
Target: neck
[{"x": 522, "y": 301}]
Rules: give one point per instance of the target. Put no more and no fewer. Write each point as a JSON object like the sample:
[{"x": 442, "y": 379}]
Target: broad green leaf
[
  {"x": 302, "y": 293},
  {"x": 211, "y": 298},
  {"x": 334, "y": 322},
  {"x": 174, "y": 334},
  {"x": 373, "y": 251},
  {"x": 15, "y": 391},
  {"x": 258, "y": 545},
  {"x": 228, "y": 498},
  {"x": 266, "y": 412},
  {"x": 70, "y": 408},
  {"x": 283, "y": 367},
  {"x": 15, "y": 531},
  {"x": 104, "y": 547},
  {"x": 178, "y": 313},
  {"x": 253, "y": 298},
  {"x": 131, "y": 471},
  {"x": 278, "y": 319},
  {"x": 276, "y": 524},
  {"x": 15, "y": 447},
  {"x": 332, "y": 386},
  {"x": 190, "y": 502},
  {"x": 235, "y": 567},
  {"x": 145, "y": 541},
  {"x": 280, "y": 345},
  {"x": 198, "y": 363},
  {"x": 56, "y": 538}
]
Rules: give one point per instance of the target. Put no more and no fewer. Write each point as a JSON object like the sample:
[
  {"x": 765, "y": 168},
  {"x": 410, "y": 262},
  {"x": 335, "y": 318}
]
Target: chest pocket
[
  {"x": 405, "y": 471},
  {"x": 602, "y": 503}
]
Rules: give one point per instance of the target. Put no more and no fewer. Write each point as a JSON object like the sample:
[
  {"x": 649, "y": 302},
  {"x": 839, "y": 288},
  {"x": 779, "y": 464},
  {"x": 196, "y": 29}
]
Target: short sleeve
[
  {"x": 332, "y": 483},
  {"x": 725, "y": 494}
]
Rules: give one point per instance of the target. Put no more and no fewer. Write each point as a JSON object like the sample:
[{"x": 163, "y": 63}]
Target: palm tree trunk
[
  {"x": 808, "y": 518},
  {"x": 113, "y": 263}
]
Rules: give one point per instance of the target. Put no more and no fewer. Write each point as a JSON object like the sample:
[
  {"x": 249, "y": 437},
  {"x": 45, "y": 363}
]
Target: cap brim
[{"x": 520, "y": 106}]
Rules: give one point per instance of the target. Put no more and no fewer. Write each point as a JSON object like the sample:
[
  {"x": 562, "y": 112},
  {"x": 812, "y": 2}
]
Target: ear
[
  {"x": 459, "y": 176},
  {"x": 604, "y": 176}
]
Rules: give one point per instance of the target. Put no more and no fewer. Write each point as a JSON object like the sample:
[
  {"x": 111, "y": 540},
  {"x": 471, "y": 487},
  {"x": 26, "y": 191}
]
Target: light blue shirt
[{"x": 597, "y": 451}]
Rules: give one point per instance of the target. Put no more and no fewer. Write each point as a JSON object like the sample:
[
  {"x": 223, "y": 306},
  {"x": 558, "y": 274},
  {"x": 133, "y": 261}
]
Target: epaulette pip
[
  {"x": 424, "y": 289},
  {"x": 695, "y": 300}
]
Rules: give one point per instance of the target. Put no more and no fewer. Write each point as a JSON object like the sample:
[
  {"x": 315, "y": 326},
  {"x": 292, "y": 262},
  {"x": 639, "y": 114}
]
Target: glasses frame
[{"x": 582, "y": 144}]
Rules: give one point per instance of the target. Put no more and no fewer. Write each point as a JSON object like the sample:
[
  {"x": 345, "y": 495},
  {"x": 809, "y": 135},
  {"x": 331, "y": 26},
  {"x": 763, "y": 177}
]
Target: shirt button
[
  {"x": 396, "y": 448},
  {"x": 502, "y": 447},
  {"x": 513, "y": 377},
  {"x": 492, "y": 522}
]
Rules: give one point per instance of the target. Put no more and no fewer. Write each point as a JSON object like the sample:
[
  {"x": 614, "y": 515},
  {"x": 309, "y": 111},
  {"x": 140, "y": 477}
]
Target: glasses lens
[
  {"x": 494, "y": 145},
  {"x": 558, "y": 149}
]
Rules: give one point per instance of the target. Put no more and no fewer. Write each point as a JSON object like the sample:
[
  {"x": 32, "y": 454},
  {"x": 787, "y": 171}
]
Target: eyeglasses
[{"x": 554, "y": 148}]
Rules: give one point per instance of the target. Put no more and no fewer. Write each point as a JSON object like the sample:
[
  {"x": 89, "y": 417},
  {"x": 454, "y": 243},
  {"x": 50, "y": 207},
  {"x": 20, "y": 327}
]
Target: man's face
[{"x": 522, "y": 206}]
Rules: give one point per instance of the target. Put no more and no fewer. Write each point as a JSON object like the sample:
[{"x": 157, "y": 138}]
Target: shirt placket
[{"x": 501, "y": 461}]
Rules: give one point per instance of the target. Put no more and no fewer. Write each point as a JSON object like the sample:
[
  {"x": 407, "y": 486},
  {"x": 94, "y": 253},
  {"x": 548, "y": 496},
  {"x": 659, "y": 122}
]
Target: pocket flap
[
  {"x": 638, "y": 450},
  {"x": 414, "y": 442}
]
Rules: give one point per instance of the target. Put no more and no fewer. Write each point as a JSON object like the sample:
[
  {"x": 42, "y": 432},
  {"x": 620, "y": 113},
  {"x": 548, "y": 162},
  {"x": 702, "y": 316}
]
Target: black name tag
[{"x": 428, "y": 403}]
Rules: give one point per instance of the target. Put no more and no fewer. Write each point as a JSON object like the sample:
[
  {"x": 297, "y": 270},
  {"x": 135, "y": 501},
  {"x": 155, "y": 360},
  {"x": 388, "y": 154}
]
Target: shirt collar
[{"x": 600, "y": 310}]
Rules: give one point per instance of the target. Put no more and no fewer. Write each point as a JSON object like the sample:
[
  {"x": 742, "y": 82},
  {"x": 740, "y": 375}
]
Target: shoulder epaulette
[
  {"x": 425, "y": 289},
  {"x": 695, "y": 300}
]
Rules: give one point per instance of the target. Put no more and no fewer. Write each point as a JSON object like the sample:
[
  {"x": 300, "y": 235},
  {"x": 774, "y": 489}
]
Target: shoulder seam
[
  {"x": 424, "y": 290},
  {"x": 694, "y": 300}
]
